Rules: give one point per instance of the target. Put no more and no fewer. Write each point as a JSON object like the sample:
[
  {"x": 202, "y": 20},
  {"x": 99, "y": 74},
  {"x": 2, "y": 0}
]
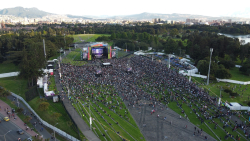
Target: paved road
[
  {"x": 45, "y": 134},
  {"x": 5, "y": 126}
]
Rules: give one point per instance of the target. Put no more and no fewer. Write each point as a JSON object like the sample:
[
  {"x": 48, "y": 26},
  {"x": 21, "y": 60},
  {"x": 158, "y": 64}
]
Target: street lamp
[
  {"x": 54, "y": 132},
  {"x": 211, "y": 51},
  {"x": 64, "y": 43},
  {"x": 5, "y": 135}
]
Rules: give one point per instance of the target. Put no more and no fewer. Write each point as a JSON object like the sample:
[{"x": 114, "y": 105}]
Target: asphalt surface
[
  {"x": 45, "y": 134},
  {"x": 6, "y": 126}
]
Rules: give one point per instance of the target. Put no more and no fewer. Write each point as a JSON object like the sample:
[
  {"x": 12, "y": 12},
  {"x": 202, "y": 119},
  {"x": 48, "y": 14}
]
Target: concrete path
[
  {"x": 10, "y": 74},
  {"x": 83, "y": 127}
]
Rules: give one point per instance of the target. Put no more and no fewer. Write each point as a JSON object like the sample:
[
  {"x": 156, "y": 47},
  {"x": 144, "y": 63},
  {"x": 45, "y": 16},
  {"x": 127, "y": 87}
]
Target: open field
[
  {"x": 64, "y": 122},
  {"x": 74, "y": 58},
  {"x": 109, "y": 113},
  {"x": 237, "y": 75},
  {"x": 214, "y": 88},
  {"x": 86, "y": 37},
  {"x": 15, "y": 85},
  {"x": 8, "y": 67}
]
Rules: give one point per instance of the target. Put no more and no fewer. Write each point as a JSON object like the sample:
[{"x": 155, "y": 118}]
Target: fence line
[{"x": 44, "y": 122}]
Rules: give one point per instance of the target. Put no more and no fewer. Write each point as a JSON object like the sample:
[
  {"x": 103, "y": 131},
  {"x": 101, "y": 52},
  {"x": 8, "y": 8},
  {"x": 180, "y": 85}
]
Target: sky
[{"x": 129, "y": 7}]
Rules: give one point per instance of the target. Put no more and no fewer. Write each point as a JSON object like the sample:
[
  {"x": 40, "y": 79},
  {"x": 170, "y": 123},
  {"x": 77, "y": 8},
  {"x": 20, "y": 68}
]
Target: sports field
[{"x": 86, "y": 37}]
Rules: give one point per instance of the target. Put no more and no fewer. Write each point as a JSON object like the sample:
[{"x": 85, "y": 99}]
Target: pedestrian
[
  {"x": 194, "y": 134},
  {"x": 180, "y": 116}
]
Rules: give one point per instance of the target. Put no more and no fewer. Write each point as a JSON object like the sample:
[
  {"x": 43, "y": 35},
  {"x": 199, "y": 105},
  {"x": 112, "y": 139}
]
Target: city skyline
[{"x": 113, "y": 8}]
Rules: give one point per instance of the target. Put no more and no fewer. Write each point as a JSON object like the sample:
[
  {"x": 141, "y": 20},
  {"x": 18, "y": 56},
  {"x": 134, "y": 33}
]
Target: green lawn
[
  {"x": 86, "y": 37},
  {"x": 127, "y": 126},
  {"x": 237, "y": 75},
  {"x": 15, "y": 85},
  {"x": 74, "y": 58},
  {"x": 64, "y": 122},
  {"x": 8, "y": 67},
  {"x": 214, "y": 89}
]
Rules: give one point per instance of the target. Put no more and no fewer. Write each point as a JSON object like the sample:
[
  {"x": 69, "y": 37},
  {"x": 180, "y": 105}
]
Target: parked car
[
  {"x": 6, "y": 118},
  {"x": 20, "y": 131}
]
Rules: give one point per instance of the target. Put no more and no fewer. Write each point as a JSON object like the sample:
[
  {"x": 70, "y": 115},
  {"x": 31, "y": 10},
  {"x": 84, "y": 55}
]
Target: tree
[
  {"x": 27, "y": 119},
  {"x": 174, "y": 32},
  {"x": 113, "y": 36},
  {"x": 227, "y": 64},
  {"x": 223, "y": 73},
  {"x": 43, "y": 106},
  {"x": 56, "y": 115}
]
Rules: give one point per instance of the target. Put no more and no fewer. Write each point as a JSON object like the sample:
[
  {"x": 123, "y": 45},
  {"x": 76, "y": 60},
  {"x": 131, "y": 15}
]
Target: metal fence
[{"x": 62, "y": 133}]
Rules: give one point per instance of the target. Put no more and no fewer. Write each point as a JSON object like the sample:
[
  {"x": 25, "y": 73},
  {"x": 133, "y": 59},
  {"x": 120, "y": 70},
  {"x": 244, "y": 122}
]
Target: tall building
[
  {"x": 188, "y": 20},
  {"x": 230, "y": 20}
]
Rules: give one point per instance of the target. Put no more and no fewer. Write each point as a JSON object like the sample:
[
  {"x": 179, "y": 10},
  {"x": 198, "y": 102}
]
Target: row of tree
[{"x": 26, "y": 50}]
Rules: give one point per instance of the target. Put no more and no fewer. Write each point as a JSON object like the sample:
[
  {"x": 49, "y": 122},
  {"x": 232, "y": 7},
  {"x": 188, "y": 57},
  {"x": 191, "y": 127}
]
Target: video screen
[
  {"x": 97, "y": 51},
  {"x": 84, "y": 55},
  {"x": 113, "y": 54}
]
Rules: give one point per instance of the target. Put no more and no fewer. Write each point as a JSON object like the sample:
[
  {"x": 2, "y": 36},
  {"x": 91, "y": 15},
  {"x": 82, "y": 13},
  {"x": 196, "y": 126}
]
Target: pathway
[{"x": 83, "y": 127}]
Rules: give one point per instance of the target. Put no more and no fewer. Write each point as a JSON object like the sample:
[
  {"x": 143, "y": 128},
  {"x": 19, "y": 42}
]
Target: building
[{"x": 188, "y": 20}]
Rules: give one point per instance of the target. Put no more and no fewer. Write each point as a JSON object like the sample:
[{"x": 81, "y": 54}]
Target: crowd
[{"x": 149, "y": 81}]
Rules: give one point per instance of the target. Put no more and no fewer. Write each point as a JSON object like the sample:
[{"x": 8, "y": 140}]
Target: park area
[{"x": 86, "y": 37}]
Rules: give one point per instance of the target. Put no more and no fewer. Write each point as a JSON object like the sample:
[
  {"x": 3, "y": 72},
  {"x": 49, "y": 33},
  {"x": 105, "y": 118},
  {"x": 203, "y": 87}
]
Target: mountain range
[{"x": 36, "y": 13}]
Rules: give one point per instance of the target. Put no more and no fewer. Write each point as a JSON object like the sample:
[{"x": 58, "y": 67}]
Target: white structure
[
  {"x": 236, "y": 106},
  {"x": 117, "y": 48}
]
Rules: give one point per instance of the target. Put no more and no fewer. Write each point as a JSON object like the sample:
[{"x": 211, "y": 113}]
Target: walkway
[
  {"x": 45, "y": 134},
  {"x": 10, "y": 74},
  {"x": 83, "y": 127}
]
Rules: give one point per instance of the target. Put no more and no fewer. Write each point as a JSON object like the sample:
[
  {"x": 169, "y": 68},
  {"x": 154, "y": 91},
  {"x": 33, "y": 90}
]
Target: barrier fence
[{"x": 62, "y": 133}]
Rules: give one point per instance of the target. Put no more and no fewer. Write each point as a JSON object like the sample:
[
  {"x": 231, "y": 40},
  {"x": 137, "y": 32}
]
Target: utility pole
[
  {"x": 64, "y": 43},
  {"x": 211, "y": 51},
  {"x": 168, "y": 61}
]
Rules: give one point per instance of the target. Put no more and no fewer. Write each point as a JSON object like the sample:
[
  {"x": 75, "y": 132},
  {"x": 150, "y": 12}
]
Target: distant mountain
[
  {"x": 24, "y": 12},
  {"x": 78, "y": 17},
  {"x": 174, "y": 16}
]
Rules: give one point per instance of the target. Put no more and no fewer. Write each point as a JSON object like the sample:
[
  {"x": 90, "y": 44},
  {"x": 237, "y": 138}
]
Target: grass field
[
  {"x": 15, "y": 85},
  {"x": 183, "y": 105},
  {"x": 237, "y": 75},
  {"x": 108, "y": 120},
  {"x": 8, "y": 67},
  {"x": 74, "y": 58},
  {"x": 64, "y": 122},
  {"x": 214, "y": 88},
  {"x": 86, "y": 37}
]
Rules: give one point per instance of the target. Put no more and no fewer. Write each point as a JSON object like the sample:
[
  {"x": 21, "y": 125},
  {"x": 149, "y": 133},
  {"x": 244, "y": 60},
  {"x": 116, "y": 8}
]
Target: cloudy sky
[{"x": 128, "y": 7}]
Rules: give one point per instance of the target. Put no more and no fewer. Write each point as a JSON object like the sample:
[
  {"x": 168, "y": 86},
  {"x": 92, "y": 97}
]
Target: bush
[
  {"x": 43, "y": 106},
  {"x": 234, "y": 94},
  {"x": 227, "y": 90},
  {"x": 223, "y": 74},
  {"x": 19, "y": 110},
  {"x": 248, "y": 103},
  {"x": 227, "y": 64}
]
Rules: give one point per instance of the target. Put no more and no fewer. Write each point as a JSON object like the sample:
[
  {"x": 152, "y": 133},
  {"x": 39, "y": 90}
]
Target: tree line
[{"x": 25, "y": 49}]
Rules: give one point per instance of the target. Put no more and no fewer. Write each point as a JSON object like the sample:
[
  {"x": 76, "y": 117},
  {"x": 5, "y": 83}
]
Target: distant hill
[
  {"x": 174, "y": 16},
  {"x": 24, "y": 12},
  {"x": 78, "y": 17}
]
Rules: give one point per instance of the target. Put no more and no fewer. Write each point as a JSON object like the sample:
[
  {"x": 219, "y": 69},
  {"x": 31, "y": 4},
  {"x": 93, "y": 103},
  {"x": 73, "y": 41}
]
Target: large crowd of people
[{"x": 149, "y": 81}]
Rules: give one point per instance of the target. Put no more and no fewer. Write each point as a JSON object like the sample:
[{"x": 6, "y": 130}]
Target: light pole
[
  {"x": 54, "y": 132},
  {"x": 211, "y": 51},
  {"x": 5, "y": 135},
  {"x": 64, "y": 43}
]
